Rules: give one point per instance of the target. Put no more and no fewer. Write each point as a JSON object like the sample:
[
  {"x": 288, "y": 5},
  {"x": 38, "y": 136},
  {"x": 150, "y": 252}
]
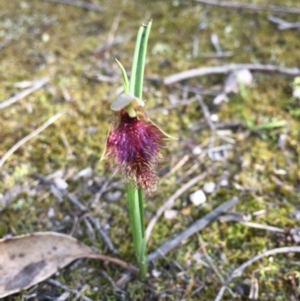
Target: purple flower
[{"x": 133, "y": 147}]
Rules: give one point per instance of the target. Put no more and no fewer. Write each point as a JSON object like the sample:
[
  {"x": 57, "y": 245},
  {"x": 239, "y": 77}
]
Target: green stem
[
  {"x": 135, "y": 60},
  {"x": 138, "y": 91},
  {"x": 135, "y": 195}
]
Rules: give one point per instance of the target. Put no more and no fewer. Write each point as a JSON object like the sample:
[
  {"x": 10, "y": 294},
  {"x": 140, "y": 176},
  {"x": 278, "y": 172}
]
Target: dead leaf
[{"x": 29, "y": 259}]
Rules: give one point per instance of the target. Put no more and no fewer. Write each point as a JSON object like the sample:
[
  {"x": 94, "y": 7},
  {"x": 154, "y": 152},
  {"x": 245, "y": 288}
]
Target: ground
[{"x": 77, "y": 48}]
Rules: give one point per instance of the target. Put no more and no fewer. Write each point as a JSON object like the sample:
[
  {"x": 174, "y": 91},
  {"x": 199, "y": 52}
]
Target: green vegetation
[{"x": 68, "y": 44}]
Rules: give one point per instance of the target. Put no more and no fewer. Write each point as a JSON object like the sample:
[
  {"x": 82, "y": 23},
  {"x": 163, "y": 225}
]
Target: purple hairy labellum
[{"x": 133, "y": 147}]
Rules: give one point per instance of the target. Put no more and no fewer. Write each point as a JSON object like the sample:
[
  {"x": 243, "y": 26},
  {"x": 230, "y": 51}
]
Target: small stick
[
  {"x": 113, "y": 29},
  {"x": 170, "y": 202},
  {"x": 206, "y": 113},
  {"x": 213, "y": 266},
  {"x": 172, "y": 106},
  {"x": 215, "y": 41},
  {"x": 239, "y": 271},
  {"x": 224, "y": 54},
  {"x": 74, "y": 200},
  {"x": 177, "y": 240},
  {"x": 65, "y": 288},
  {"x": 103, "y": 234},
  {"x": 177, "y": 166},
  {"x": 262, "y": 227},
  {"x": 225, "y": 125},
  {"x": 114, "y": 260},
  {"x": 194, "y": 228},
  {"x": 80, "y": 293},
  {"x": 28, "y": 137},
  {"x": 282, "y": 24},
  {"x": 226, "y": 69},
  {"x": 37, "y": 85},
  {"x": 80, "y": 4},
  {"x": 221, "y": 293},
  {"x": 275, "y": 8},
  {"x": 95, "y": 199},
  {"x": 109, "y": 279}
]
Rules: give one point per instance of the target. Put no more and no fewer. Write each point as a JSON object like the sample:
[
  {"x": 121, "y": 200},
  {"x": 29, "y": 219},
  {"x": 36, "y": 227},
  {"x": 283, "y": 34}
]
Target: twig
[
  {"x": 177, "y": 166},
  {"x": 103, "y": 234},
  {"x": 225, "y": 125},
  {"x": 213, "y": 266},
  {"x": 170, "y": 202},
  {"x": 80, "y": 4},
  {"x": 221, "y": 293},
  {"x": 104, "y": 48},
  {"x": 65, "y": 288},
  {"x": 195, "y": 90},
  {"x": 282, "y": 24},
  {"x": 114, "y": 260},
  {"x": 11, "y": 194},
  {"x": 262, "y": 227},
  {"x": 215, "y": 41},
  {"x": 90, "y": 229},
  {"x": 239, "y": 271},
  {"x": 171, "y": 106},
  {"x": 113, "y": 29},
  {"x": 177, "y": 240},
  {"x": 28, "y": 137},
  {"x": 109, "y": 279},
  {"x": 275, "y": 8},
  {"x": 206, "y": 113},
  {"x": 224, "y": 54},
  {"x": 95, "y": 199},
  {"x": 194, "y": 228},
  {"x": 226, "y": 69},
  {"x": 74, "y": 200},
  {"x": 80, "y": 293},
  {"x": 238, "y": 217},
  {"x": 37, "y": 85}
]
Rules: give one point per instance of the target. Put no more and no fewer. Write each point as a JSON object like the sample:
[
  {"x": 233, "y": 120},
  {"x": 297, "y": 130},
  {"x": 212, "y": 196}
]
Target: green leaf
[{"x": 124, "y": 77}]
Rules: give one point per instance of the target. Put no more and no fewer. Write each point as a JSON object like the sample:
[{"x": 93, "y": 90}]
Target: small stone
[
  {"x": 51, "y": 213},
  {"x": 295, "y": 232},
  {"x": 60, "y": 183},
  {"x": 45, "y": 37},
  {"x": 198, "y": 197},
  {"x": 220, "y": 98},
  {"x": 155, "y": 273},
  {"x": 84, "y": 173},
  {"x": 214, "y": 117},
  {"x": 113, "y": 196},
  {"x": 209, "y": 187},
  {"x": 197, "y": 150},
  {"x": 298, "y": 215},
  {"x": 224, "y": 183},
  {"x": 236, "y": 79},
  {"x": 170, "y": 214}
]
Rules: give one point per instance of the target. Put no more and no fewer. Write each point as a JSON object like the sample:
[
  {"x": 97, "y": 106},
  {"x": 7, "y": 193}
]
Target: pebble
[
  {"x": 198, "y": 197},
  {"x": 209, "y": 187},
  {"x": 170, "y": 214},
  {"x": 60, "y": 183},
  {"x": 113, "y": 196},
  {"x": 51, "y": 213}
]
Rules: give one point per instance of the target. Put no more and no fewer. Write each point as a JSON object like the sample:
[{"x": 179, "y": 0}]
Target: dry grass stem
[
  {"x": 252, "y": 6},
  {"x": 28, "y": 137},
  {"x": 37, "y": 84},
  {"x": 170, "y": 202},
  {"x": 228, "y": 68}
]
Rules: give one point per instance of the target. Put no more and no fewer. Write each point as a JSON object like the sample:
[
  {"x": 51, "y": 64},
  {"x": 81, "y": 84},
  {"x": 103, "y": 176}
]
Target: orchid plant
[{"x": 133, "y": 145}]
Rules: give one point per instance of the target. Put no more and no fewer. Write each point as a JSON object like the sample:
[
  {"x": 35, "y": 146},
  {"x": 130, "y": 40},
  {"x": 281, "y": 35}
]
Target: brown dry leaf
[{"x": 29, "y": 259}]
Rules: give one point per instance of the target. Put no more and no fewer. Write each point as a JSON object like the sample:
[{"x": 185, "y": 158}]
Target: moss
[{"x": 48, "y": 39}]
